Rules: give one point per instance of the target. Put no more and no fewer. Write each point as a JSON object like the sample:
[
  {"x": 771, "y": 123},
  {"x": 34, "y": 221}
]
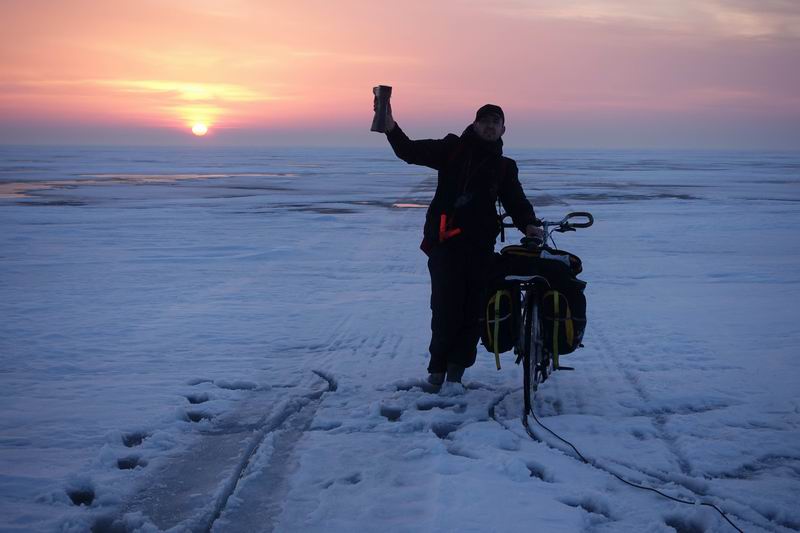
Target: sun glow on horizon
[
  {"x": 199, "y": 129},
  {"x": 708, "y": 73}
]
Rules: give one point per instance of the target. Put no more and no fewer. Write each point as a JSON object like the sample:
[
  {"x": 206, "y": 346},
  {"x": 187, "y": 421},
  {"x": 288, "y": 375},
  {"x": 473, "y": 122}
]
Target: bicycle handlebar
[
  {"x": 578, "y": 214},
  {"x": 562, "y": 225},
  {"x": 548, "y": 227}
]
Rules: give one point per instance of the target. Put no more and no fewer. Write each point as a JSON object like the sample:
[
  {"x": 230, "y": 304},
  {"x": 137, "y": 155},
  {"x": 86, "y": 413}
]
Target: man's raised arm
[{"x": 428, "y": 152}]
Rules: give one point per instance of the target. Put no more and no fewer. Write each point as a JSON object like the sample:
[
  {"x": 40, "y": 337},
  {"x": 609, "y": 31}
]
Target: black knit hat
[{"x": 489, "y": 109}]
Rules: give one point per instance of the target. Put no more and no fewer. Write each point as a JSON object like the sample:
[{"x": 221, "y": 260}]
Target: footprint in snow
[
  {"x": 460, "y": 451},
  {"x": 131, "y": 462},
  {"x": 81, "y": 496},
  {"x": 539, "y": 471},
  {"x": 224, "y": 384},
  {"x": 409, "y": 385},
  {"x": 198, "y": 416},
  {"x": 197, "y": 398},
  {"x": 682, "y": 524},
  {"x": 81, "y": 492},
  {"x": 236, "y": 385},
  {"x": 428, "y": 404},
  {"x": 452, "y": 389},
  {"x": 392, "y": 414},
  {"x": 590, "y": 504},
  {"x": 131, "y": 440},
  {"x": 353, "y": 479},
  {"x": 198, "y": 381},
  {"x": 444, "y": 429}
]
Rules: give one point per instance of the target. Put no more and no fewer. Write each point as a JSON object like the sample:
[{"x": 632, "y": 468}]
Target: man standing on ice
[{"x": 461, "y": 227}]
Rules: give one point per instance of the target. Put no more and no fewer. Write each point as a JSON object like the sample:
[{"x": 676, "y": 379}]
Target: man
[{"x": 461, "y": 227}]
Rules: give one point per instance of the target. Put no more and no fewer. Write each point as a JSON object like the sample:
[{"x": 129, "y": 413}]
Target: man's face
[{"x": 489, "y": 127}]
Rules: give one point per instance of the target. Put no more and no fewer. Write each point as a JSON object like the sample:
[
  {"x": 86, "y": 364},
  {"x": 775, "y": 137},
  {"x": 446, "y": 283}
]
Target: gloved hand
[{"x": 534, "y": 231}]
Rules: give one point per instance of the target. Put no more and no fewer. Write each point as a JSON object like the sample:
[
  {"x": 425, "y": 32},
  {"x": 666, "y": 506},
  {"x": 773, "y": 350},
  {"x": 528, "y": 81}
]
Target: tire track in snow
[
  {"x": 247, "y": 504},
  {"x": 304, "y": 410},
  {"x": 339, "y": 334},
  {"x": 658, "y": 482},
  {"x": 348, "y": 335},
  {"x": 192, "y": 490},
  {"x": 686, "y": 480},
  {"x": 736, "y": 509},
  {"x": 257, "y": 500},
  {"x": 660, "y": 420}
]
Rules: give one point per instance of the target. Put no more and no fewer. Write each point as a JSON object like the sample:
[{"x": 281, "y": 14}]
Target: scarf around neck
[{"x": 471, "y": 139}]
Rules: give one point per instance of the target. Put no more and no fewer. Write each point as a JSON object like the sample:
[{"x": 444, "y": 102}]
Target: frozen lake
[{"x": 234, "y": 340}]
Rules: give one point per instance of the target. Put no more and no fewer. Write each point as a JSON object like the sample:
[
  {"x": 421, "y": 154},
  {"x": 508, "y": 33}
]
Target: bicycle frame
[{"x": 537, "y": 362}]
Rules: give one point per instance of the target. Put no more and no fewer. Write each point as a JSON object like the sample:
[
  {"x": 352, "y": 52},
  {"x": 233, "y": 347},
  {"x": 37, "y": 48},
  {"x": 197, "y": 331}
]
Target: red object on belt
[{"x": 445, "y": 233}]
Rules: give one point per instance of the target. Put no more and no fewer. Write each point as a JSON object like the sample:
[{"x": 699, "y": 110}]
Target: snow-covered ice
[{"x": 236, "y": 340}]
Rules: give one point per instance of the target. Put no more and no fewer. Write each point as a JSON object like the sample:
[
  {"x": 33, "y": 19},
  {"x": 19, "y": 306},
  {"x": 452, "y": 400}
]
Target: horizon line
[{"x": 376, "y": 147}]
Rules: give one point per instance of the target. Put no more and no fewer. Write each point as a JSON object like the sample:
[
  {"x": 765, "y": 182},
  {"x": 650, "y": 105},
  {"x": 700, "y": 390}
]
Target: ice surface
[{"x": 235, "y": 340}]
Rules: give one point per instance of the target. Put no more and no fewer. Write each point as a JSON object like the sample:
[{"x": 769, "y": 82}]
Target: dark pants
[{"x": 459, "y": 274}]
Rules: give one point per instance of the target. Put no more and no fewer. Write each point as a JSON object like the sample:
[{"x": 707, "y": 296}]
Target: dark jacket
[{"x": 473, "y": 174}]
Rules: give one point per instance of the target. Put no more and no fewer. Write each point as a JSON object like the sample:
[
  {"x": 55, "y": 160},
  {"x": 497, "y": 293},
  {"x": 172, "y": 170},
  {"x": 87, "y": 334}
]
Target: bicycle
[
  {"x": 537, "y": 359},
  {"x": 538, "y": 362}
]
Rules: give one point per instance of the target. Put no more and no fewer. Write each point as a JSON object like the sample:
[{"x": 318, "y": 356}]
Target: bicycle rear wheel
[
  {"x": 538, "y": 364},
  {"x": 531, "y": 346}
]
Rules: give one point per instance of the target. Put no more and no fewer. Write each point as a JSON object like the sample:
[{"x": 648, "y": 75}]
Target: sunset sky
[{"x": 593, "y": 73}]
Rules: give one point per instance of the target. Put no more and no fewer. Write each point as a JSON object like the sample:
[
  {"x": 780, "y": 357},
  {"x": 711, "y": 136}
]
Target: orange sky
[{"x": 677, "y": 73}]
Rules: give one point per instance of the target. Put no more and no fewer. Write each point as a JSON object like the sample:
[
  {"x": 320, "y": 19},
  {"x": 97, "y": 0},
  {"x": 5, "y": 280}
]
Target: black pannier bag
[
  {"x": 563, "y": 316},
  {"x": 500, "y": 321},
  {"x": 521, "y": 261},
  {"x": 563, "y": 304}
]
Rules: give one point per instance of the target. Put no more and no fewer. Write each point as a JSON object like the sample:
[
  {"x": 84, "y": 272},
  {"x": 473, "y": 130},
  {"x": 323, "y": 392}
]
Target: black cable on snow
[{"x": 585, "y": 460}]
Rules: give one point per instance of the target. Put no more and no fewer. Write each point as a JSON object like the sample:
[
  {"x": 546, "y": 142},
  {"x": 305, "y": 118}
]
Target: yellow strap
[
  {"x": 570, "y": 329},
  {"x": 489, "y": 321},
  {"x": 555, "y": 329},
  {"x": 497, "y": 328}
]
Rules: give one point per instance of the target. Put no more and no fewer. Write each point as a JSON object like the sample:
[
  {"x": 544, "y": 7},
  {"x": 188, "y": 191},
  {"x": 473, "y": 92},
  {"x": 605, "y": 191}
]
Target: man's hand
[
  {"x": 389, "y": 118},
  {"x": 534, "y": 231}
]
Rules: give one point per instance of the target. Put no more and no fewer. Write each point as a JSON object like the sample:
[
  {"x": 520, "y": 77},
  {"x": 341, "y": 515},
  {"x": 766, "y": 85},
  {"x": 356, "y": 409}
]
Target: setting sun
[{"x": 199, "y": 129}]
